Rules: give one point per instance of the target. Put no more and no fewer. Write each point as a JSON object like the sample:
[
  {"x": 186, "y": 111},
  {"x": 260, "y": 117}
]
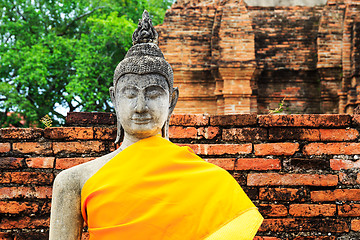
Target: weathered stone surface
[
  {"x": 23, "y": 133},
  {"x": 305, "y": 120},
  {"x": 85, "y": 118},
  {"x": 274, "y": 3},
  {"x": 233, "y": 120}
]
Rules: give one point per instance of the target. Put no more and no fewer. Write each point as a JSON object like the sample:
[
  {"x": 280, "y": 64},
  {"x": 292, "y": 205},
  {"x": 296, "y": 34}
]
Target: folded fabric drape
[{"x": 157, "y": 190}]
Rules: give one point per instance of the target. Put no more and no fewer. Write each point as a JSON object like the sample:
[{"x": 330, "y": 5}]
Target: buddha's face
[{"x": 142, "y": 104}]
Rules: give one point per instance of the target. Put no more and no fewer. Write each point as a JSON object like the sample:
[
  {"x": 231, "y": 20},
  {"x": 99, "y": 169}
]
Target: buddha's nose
[{"x": 141, "y": 105}]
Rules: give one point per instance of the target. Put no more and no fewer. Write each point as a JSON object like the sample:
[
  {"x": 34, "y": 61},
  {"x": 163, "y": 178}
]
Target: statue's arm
[{"x": 66, "y": 222}]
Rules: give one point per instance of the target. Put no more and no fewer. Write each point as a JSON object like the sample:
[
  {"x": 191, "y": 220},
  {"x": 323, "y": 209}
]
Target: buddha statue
[{"x": 149, "y": 188}]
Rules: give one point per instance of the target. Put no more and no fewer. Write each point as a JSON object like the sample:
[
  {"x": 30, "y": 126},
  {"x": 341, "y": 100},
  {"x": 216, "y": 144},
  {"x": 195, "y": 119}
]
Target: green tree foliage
[{"x": 63, "y": 53}]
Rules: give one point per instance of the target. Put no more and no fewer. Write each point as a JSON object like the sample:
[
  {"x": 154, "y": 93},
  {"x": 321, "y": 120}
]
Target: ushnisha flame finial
[
  {"x": 145, "y": 56},
  {"x": 145, "y": 33}
]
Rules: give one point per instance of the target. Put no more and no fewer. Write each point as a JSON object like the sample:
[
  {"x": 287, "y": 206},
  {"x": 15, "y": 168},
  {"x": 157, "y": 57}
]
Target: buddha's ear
[
  {"x": 112, "y": 95},
  {"x": 174, "y": 99},
  {"x": 120, "y": 130}
]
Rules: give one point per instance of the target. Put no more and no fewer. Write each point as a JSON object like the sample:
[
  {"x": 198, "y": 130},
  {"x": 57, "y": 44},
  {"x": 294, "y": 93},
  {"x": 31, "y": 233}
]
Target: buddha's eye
[
  {"x": 130, "y": 92},
  {"x": 154, "y": 92}
]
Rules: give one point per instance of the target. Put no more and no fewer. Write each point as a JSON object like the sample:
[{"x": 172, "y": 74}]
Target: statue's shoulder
[{"x": 75, "y": 177}]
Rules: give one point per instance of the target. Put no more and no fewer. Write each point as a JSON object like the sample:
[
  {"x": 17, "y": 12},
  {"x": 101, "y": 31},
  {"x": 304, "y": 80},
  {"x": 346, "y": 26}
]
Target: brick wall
[
  {"x": 227, "y": 56},
  {"x": 302, "y": 171}
]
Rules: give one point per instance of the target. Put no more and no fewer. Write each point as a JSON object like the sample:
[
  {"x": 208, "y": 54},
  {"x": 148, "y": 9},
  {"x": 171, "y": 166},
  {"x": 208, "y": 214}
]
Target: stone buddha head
[{"x": 143, "y": 95}]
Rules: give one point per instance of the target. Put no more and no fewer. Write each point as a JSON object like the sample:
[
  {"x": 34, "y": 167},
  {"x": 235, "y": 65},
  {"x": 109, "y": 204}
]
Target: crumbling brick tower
[{"x": 234, "y": 56}]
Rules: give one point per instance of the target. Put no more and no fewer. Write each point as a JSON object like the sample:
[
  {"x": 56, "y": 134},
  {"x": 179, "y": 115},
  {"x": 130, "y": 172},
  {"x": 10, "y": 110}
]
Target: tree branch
[
  {"x": 78, "y": 18},
  {"x": 18, "y": 11},
  {"x": 57, "y": 114},
  {"x": 71, "y": 108},
  {"x": 111, "y": 55},
  {"x": 7, "y": 39}
]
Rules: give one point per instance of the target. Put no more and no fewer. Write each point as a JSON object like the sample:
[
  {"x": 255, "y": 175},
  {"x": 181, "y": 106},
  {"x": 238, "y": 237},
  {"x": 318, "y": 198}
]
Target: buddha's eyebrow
[
  {"x": 148, "y": 87},
  {"x": 129, "y": 86},
  {"x": 154, "y": 86}
]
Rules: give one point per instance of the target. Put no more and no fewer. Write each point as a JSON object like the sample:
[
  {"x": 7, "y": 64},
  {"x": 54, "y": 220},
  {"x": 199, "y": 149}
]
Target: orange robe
[{"x": 157, "y": 190}]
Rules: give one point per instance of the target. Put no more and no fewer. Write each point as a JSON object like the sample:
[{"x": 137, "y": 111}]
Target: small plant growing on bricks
[
  {"x": 46, "y": 120},
  {"x": 279, "y": 109}
]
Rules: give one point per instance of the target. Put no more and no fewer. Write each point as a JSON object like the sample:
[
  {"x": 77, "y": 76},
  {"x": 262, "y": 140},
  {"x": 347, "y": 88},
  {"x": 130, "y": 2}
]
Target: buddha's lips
[{"x": 141, "y": 120}]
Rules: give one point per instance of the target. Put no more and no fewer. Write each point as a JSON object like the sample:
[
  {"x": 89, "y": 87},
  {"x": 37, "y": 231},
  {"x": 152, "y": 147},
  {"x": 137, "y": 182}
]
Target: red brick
[
  {"x": 183, "y": 132},
  {"x": 304, "y": 225},
  {"x": 78, "y": 147},
  {"x": 13, "y": 207},
  {"x": 40, "y": 162},
  {"x": 338, "y": 134},
  {"x": 64, "y": 163},
  {"x": 113, "y": 146},
  {"x": 24, "y": 222},
  {"x": 244, "y": 134},
  {"x": 46, "y": 207},
  {"x": 336, "y": 195},
  {"x": 105, "y": 133},
  {"x": 208, "y": 132},
  {"x": 349, "y": 210},
  {"x": 193, "y": 133},
  {"x": 265, "y": 238},
  {"x": 273, "y": 210},
  {"x": 4, "y": 147},
  {"x": 312, "y": 210},
  {"x": 189, "y": 120},
  {"x": 294, "y": 134},
  {"x": 257, "y": 164},
  {"x": 310, "y": 164},
  {"x": 315, "y": 238},
  {"x": 10, "y": 163},
  {"x": 5, "y": 236},
  {"x": 20, "y": 133},
  {"x": 233, "y": 120},
  {"x": 89, "y": 118},
  {"x": 69, "y": 133},
  {"x": 33, "y": 147},
  {"x": 356, "y": 120},
  {"x": 283, "y": 194},
  {"x": 305, "y": 120},
  {"x": 25, "y": 192},
  {"x": 338, "y": 164},
  {"x": 276, "y": 179},
  {"x": 26, "y": 177},
  {"x": 225, "y": 163},
  {"x": 31, "y": 235},
  {"x": 349, "y": 178},
  {"x": 332, "y": 148},
  {"x": 220, "y": 149},
  {"x": 275, "y": 149},
  {"x": 355, "y": 225}
]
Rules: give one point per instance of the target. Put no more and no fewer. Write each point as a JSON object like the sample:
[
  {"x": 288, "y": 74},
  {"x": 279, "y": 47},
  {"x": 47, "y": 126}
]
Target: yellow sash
[{"x": 157, "y": 190}]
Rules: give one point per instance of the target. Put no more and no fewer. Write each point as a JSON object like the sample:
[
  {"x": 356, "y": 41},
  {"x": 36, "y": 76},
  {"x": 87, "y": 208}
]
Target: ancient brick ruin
[
  {"x": 301, "y": 171},
  {"x": 235, "y": 57}
]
